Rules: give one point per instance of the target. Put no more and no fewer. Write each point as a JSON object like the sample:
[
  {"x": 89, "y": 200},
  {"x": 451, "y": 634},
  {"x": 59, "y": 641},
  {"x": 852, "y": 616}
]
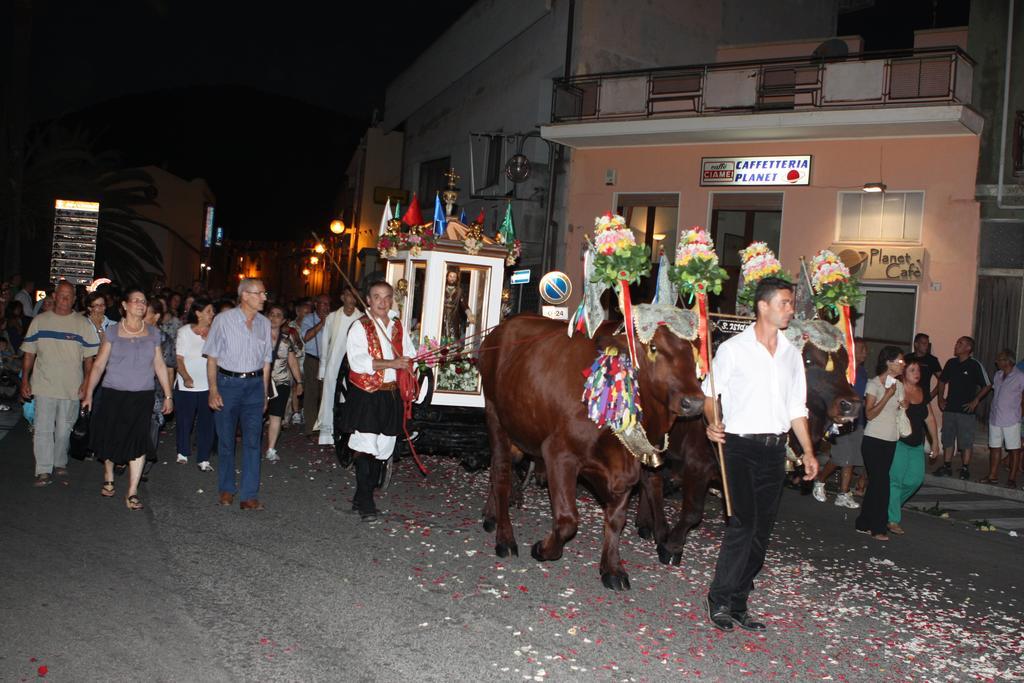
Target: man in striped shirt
[{"x": 59, "y": 350}]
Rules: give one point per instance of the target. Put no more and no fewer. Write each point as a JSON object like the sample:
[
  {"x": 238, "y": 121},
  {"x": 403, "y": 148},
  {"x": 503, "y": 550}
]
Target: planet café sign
[{"x": 901, "y": 264}]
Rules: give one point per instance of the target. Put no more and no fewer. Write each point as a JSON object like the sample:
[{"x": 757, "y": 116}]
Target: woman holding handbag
[
  {"x": 907, "y": 472},
  {"x": 120, "y": 429},
  {"x": 881, "y": 406}
]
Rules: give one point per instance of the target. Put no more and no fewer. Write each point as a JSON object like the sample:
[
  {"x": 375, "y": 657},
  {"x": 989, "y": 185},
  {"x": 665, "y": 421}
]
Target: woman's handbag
[
  {"x": 903, "y": 425},
  {"x": 78, "y": 447}
]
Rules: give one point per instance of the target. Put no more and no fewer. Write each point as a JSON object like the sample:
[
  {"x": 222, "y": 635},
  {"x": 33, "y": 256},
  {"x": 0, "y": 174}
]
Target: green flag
[{"x": 507, "y": 233}]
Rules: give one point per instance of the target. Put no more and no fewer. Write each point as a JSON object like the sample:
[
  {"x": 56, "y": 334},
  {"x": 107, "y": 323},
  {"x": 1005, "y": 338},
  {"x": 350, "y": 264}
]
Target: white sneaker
[
  {"x": 182, "y": 460},
  {"x": 297, "y": 418},
  {"x": 272, "y": 455},
  {"x": 845, "y": 500},
  {"x": 819, "y": 492},
  {"x": 205, "y": 466}
]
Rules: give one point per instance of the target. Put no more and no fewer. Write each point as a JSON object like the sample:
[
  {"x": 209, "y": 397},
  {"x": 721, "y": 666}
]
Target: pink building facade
[{"x": 781, "y": 151}]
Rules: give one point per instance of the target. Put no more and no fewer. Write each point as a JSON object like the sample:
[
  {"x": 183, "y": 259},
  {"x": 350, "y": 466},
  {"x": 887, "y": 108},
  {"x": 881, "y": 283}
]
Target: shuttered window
[{"x": 880, "y": 217}]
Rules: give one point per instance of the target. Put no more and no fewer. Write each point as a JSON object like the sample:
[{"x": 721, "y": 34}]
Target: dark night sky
[{"x": 265, "y": 104}]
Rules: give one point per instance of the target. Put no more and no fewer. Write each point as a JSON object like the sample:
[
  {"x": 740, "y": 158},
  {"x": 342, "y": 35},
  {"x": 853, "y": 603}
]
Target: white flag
[{"x": 386, "y": 217}]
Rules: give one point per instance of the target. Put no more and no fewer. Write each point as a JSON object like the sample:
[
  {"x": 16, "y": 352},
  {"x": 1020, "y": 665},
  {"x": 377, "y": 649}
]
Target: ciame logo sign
[
  {"x": 904, "y": 264},
  {"x": 745, "y": 171}
]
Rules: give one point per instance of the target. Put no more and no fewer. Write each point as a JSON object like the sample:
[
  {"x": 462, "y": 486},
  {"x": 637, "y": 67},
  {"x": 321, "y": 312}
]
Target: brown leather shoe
[
  {"x": 253, "y": 504},
  {"x": 226, "y": 498}
]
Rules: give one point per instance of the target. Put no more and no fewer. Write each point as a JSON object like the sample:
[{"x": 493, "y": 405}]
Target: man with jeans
[
  {"x": 313, "y": 337},
  {"x": 59, "y": 350},
  {"x": 760, "y": 377},
  {"x": 968, "y": 383},
  {"x": 238, "y": 351}
]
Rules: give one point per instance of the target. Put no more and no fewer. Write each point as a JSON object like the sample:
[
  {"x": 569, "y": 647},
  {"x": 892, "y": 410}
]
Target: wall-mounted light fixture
[{"x": 874, "y": 187}]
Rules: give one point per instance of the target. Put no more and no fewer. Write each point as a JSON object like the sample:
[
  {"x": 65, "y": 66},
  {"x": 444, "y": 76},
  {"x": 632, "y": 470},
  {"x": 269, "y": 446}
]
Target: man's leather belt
[
  {"x": 770, "y": 440},
  {"x": 240, "y": 375}
]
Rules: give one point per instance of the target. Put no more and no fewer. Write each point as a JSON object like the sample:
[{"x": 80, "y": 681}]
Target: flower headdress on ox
[
  {"x": 696, "y": 273},
  {"x": 835, "y": 290},
  {"x": 757, "y": 262}
]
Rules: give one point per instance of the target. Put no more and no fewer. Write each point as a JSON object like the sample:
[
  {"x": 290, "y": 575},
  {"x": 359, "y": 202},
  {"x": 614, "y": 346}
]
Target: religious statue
[{"x": 456, "y": 310}]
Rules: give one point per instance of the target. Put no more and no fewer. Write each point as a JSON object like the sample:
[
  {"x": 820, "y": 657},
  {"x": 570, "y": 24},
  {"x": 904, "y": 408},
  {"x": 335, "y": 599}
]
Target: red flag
[
  {"x": 627, "y": 315},
  {"x": 480, "y": 217},
  {"x": 412, "y": 214}
]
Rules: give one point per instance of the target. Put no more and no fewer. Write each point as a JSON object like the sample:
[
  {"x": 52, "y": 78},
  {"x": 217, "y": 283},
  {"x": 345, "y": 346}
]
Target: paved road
[{"x": 188, "y": 591}]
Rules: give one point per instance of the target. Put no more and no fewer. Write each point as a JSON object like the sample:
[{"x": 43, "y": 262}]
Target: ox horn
[{"x": 829, "y": 366}]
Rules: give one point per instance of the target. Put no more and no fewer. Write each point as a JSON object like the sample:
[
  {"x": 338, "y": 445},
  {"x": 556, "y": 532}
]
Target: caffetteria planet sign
[{"x": 746, "y": 171}]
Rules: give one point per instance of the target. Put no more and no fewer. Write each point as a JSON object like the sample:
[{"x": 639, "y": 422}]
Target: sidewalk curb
[{"x": 956, "y": 484}]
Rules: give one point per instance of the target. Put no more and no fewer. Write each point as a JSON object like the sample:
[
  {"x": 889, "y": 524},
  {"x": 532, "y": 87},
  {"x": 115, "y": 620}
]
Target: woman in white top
[
  {"x": 881, "y": 403},
  {"x": 191, "y": 390}
]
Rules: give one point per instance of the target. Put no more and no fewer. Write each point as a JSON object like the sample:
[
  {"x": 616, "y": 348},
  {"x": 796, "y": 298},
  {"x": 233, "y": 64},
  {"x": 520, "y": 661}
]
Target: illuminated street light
[
  {"x": 337, "y": 226},
  {"x": 305, "y": 271},
  {"x": 319, "y": 248},
  {"x": 313, "y": 260}
]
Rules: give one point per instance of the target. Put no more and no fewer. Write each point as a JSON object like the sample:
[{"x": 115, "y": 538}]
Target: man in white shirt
[
  {"x": 760, "y": 378},
  {"x": 378, "y": 347}
]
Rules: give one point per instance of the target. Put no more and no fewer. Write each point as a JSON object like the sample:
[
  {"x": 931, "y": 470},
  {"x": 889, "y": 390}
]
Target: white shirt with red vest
[{"x": 359, "y": 359}]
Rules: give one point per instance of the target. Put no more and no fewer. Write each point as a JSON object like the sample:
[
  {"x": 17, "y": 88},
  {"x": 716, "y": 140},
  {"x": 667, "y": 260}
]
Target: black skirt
[
  {"x": 120, "y": 428},
  {"x": 378, "y": 412}
]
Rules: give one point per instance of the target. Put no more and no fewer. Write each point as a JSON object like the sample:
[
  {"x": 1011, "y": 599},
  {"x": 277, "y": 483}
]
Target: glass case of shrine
[{"x": 447, "y": 297}]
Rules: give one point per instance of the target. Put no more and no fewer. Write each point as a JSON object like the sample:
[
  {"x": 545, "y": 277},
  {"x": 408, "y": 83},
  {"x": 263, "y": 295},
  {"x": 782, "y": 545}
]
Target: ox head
[
  {"x": 829, "y": 396},
  {"x": 666, "y": 344}
]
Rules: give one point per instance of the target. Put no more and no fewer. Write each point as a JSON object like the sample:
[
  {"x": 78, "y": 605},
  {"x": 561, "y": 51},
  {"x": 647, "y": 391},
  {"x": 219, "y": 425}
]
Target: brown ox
[
  {"x": 533, "y": 382},
  {"x": 691, "y": 462}
]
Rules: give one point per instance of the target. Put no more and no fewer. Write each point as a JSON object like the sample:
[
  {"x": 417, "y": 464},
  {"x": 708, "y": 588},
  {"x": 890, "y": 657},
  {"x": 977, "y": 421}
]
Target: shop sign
[
  {"x": 747, "y": 171},
  {"x": 887, "y": 263}
]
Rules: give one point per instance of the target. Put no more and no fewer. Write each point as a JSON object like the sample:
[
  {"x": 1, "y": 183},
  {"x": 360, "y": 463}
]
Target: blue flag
[
  {"x": 462, "y": 217},
  {"x": 440, "y": 222}
]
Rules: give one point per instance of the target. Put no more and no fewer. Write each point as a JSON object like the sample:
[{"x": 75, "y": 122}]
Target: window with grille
[{"x": 880, "y": 217}]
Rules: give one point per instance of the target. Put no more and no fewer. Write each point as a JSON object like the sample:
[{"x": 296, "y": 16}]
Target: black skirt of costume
[
  {"x": 120, "y": 428},
  {"x": 377, "y": 412}
]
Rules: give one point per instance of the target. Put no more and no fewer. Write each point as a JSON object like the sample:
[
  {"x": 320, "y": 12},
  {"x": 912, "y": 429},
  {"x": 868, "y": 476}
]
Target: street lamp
[
  {"x": 313, "y": 260},
  {"x": 305, "y": 272},
  {"x": 319, "y": 248},
  {"x": 337, "y": 226}
]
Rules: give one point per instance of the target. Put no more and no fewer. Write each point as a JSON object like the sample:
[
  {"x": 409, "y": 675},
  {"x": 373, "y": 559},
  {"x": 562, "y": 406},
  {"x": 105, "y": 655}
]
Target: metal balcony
[{"x": 933, "y": 75}]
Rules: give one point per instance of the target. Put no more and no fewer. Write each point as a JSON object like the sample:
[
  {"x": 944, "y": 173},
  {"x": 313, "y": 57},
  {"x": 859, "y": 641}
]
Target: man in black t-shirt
[
  {"x": 968, "y": 383},
  {"x": 928, "y": 363}
]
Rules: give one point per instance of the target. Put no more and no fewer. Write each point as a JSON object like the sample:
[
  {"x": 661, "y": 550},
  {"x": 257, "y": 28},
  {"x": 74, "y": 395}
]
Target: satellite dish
[
  {"x": 517, "y": 169},
  {"x": 833, "y": 48}
]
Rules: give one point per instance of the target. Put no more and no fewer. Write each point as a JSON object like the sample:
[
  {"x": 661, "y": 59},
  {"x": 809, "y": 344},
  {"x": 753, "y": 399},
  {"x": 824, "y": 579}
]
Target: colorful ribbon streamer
[
  {"x": 846, "y": 325},
  {"x": 627, "y": 314},
  {"x": 702, "y": 332},
  {"x": 611, "y": 393}
]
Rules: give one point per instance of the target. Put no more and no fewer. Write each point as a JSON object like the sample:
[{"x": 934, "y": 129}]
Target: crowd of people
[
  {"x": 125, "y": 361},
  {"x": 918, "y": 411},
  {"x": 234, "y": 361}
]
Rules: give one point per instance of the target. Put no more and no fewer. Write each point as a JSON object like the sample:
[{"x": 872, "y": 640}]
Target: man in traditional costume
[
  {"x": 378, "y": 347},
  {"x": 335, "y": 337}
]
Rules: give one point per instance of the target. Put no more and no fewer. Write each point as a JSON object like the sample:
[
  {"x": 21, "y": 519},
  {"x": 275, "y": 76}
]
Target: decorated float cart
[{"x": 449, "y": 280}]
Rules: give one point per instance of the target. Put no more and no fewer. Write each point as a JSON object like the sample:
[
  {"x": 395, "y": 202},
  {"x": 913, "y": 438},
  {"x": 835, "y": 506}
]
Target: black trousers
[
  {"x": 756, "y": 473},
  {"x": 874, "y": 509},
  {"x": 367, "y": 475}
]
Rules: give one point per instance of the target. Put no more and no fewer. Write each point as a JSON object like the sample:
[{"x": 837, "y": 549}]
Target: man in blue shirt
[{"x": 312, "y": 331}]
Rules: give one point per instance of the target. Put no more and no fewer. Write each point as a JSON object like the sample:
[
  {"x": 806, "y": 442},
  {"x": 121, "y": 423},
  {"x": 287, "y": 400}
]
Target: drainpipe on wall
[
  {"x": 555, "y": 156},
  {"x": 1006, "y": 114}
]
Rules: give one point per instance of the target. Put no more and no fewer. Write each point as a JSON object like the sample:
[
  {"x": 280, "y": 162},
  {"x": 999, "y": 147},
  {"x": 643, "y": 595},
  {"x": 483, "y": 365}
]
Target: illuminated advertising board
[{"x": 73, "y": 254}]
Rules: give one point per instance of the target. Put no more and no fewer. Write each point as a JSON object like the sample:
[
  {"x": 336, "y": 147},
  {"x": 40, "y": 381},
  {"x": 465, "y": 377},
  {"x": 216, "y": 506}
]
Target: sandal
[
  {"x": 988, "y": 480},
  {"x": 1011, "y": 483},
  {"x": 42, "y": 480},
  {"x": 107, "y": 491},
  {"x": 133, "y": 503}
]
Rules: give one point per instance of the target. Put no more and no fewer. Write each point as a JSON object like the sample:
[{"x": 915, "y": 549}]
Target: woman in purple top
[{"x": 120, "y": 429}]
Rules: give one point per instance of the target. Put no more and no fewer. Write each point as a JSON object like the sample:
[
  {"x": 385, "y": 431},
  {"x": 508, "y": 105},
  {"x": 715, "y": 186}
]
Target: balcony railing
[{"x": 924, "y": 76}]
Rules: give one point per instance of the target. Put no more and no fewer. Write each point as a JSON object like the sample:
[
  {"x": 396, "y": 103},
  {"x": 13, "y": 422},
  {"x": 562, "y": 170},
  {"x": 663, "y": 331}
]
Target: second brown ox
[{"x": 532, "y": 377}]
